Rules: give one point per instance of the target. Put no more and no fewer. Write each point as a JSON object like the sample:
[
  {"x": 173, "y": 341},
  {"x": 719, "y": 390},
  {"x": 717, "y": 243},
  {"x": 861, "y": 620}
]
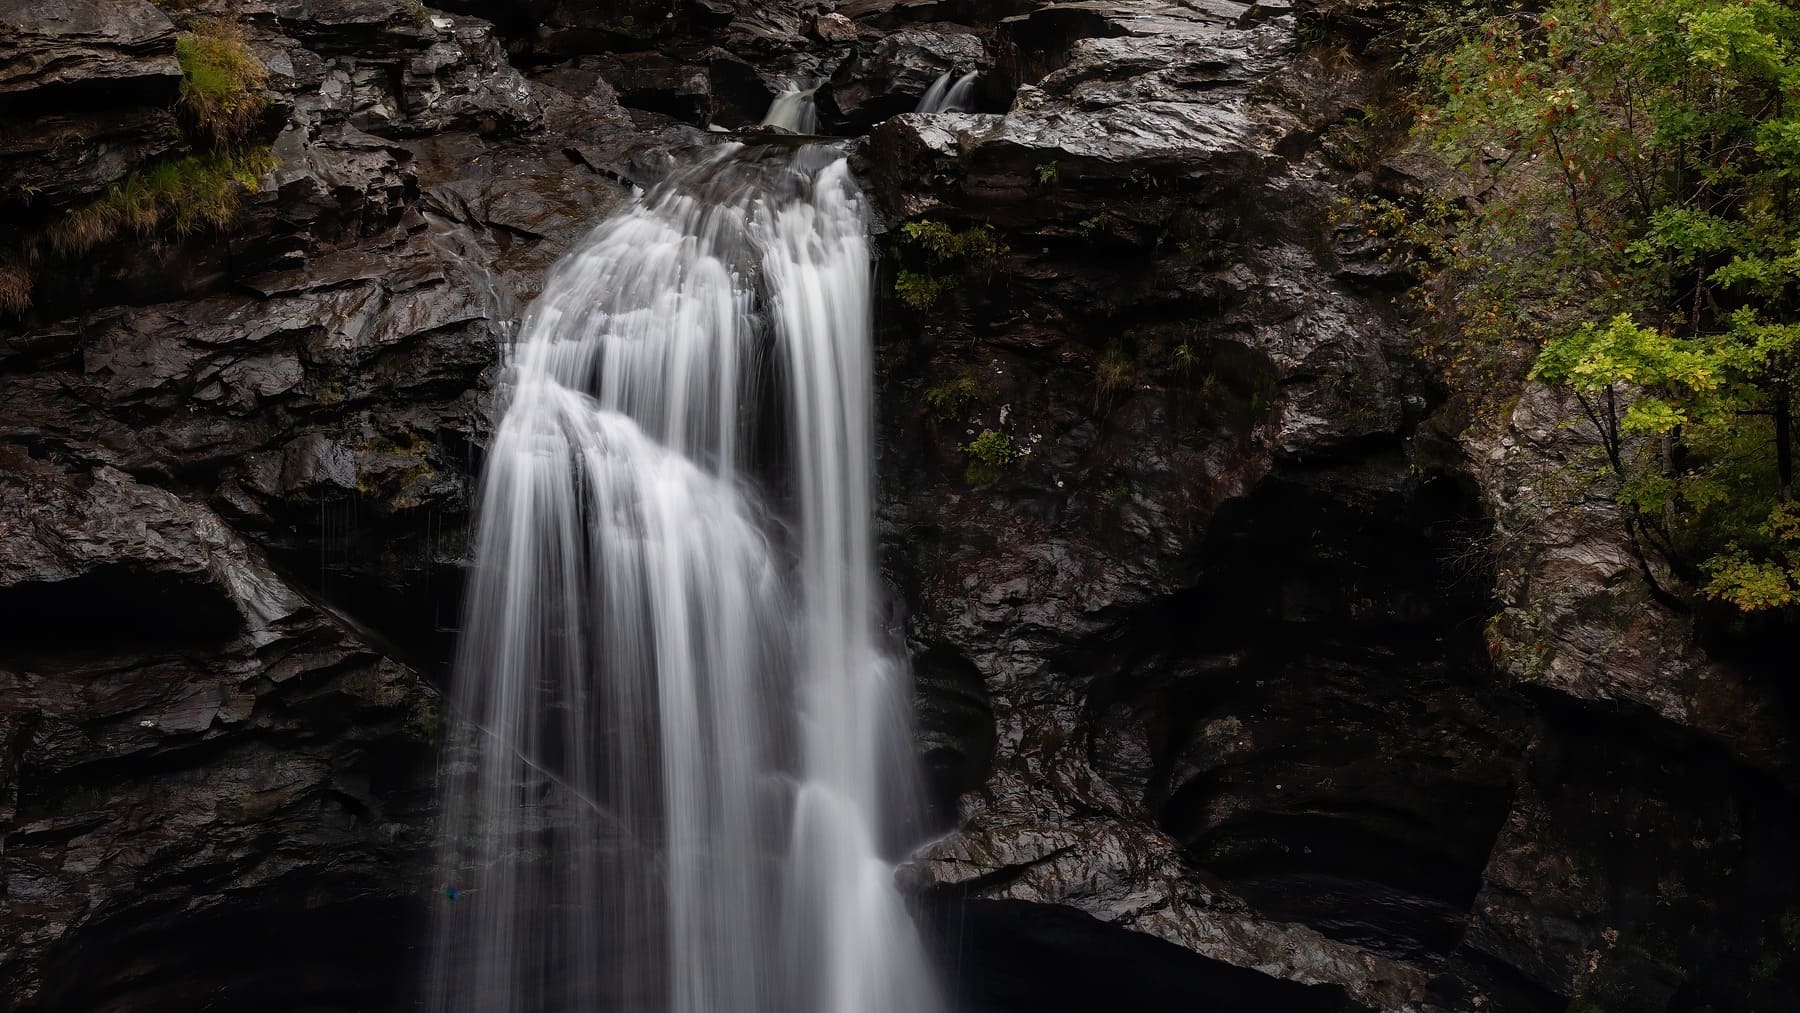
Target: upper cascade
[
  {"x": 794, "y": 109},
  {"x": 946, "y": 96}
]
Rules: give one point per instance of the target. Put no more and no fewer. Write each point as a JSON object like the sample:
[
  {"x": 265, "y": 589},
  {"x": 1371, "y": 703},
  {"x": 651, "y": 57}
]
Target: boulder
[{"x": 834, "y": 28}]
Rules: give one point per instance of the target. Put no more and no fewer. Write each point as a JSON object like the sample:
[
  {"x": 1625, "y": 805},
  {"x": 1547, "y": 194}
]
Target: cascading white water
[
  {"x": 794, "y": 109},
  {"x": 690, "y": 739},
  {"x": 946, "y": 97}
]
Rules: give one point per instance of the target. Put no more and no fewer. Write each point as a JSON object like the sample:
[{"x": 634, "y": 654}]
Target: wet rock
[
  {"x": 1148, "y": 330},
  {"x": 333, "y": 24},
  {"x": 1579, "y": 617},
  {"x": 835, "y": 28},
  {"x": 571, "y": 27},
  {"x": 464, "y": 79},
  {"x": 1619, "y": 843},
  {"x": 92, "y": 49},
  {"x": 230, "y": 766},
  {"x": 85, "y": 94},
  {"x": 434, "y": 73},
  {"x": 1316, "y": 723},
  {"x": 1177, "y": 104},
  {"x": 1026, "y": 845},
  {"x": 1660, "y": 778},
  {"x": 1199, "y": 651},
  {"x": 60, "y": 160},
  {"x": 741, "y": 91},
  {"x": 1224, "y": 600}
]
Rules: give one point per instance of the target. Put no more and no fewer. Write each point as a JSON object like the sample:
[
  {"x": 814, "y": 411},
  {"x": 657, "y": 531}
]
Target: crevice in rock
[
  {"x": 335, "y": 957},
  {"x": 114, "y": 609},
  {"x": 955, "y": 729},
  {"x": 1315, "y": 719},
  {"x": 1018, "y": 957},
  {"x": 1034, "y": 46}
]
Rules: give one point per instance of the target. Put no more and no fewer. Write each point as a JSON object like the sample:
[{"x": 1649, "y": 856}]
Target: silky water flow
[
  {"x": 949, "y": 96},
  {"x": 686, "y": 771}
]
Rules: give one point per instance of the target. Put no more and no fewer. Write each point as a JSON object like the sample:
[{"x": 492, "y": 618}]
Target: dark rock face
[
  {"x": 1625, "y": 849},
  {"x": 1226, "y": 587},
  {"x": 1242, "y": 683},
  {"x": 174, "y": 714},
  {"x": 87, "y": 87},
  {"x": 1201, "y": 648}
]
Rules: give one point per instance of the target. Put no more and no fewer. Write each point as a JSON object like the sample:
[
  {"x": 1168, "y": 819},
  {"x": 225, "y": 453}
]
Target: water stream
[{"x": 691, "y": 771}]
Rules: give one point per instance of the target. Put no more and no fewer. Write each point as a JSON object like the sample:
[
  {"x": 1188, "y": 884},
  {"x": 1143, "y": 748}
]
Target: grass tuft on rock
[
  {"x": 183, "y": 194},
  {"x": 221, "y": 84},
  {"x": 15, "y": 288},
  {"x": 222, "y": 105}
]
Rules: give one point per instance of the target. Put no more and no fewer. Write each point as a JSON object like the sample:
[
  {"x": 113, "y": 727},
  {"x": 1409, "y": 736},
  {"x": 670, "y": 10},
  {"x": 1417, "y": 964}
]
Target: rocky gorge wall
[{"x": 1244, "y": 677}]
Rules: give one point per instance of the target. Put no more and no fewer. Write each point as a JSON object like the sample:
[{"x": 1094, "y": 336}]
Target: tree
[{"x": 1644, "y": 215}]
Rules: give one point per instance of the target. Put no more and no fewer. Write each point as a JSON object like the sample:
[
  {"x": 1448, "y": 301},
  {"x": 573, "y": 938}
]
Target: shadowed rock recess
[{"x": 1243, "y": 680}]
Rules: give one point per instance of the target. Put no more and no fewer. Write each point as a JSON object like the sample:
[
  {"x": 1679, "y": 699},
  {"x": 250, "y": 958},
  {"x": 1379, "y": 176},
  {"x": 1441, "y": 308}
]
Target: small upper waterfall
[
  {"x": 945, "y": 96},
  {"x": 795, "y": 110},
  {"x": 691, "y": 751}
]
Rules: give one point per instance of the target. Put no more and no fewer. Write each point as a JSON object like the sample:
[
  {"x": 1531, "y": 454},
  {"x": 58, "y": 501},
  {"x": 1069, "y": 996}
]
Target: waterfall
[
  {"x": 691, "y": 751},
  {"x": 793, "y": 109},
  {"x": 945, "y": 97}
]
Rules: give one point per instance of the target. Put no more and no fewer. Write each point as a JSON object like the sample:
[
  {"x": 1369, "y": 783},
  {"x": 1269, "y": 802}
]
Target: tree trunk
[{"x": 1784, "y": 446}]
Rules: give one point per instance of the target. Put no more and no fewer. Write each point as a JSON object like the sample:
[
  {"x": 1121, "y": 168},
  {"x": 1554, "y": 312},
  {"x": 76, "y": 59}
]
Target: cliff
[{"x": 1247, "y": 673}]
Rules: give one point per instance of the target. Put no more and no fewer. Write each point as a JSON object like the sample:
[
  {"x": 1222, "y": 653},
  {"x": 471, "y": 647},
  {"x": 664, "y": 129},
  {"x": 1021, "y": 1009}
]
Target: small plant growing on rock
[
  {"x": 918, "y": 291},
  {"x": 948, "y": 400},
  {"x": 1113, "y": 373},
  {"x": 422, "y": 722},
  {"x": 187, "y": 194},
  {"x": 15, "y": 287},
  {"x": 1145, "y": 180},
  {"x": 1046, "y": 173},
  {"x": 990, "y": 454},
  {"x": 221, "y": 84},
  {"x": 931, "y": 251},
  {"x": 978, "y": 247}
]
